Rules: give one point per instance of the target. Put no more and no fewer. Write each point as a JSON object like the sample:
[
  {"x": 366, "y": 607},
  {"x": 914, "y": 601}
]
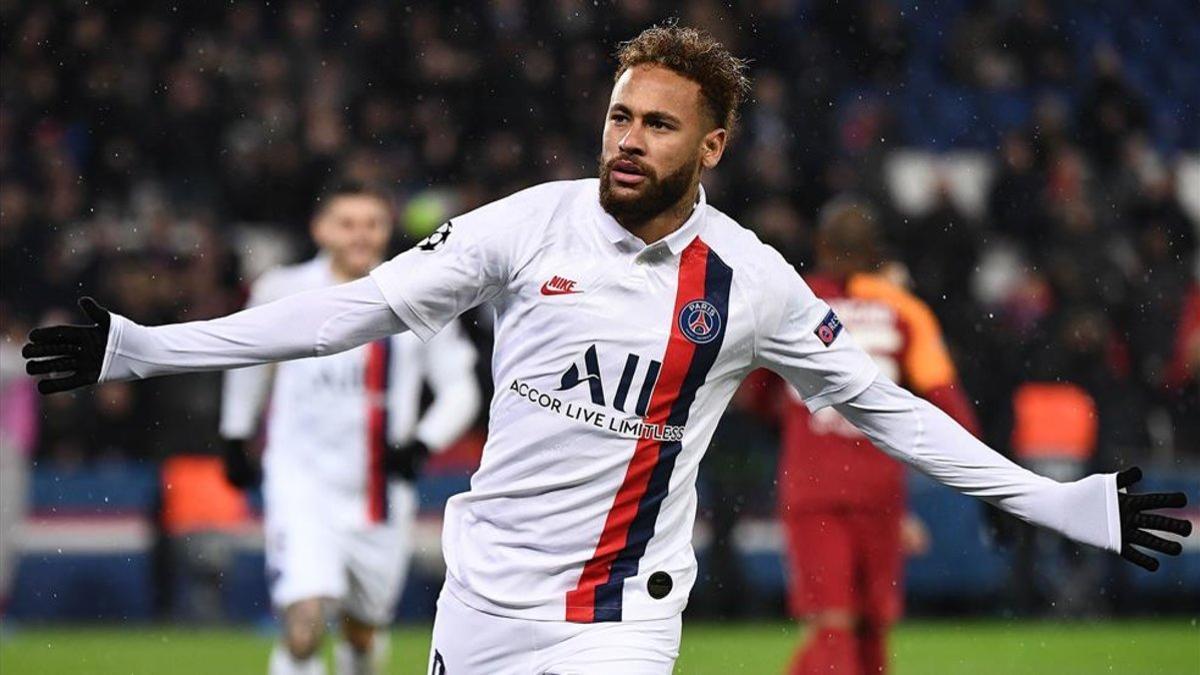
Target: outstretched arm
[
  {"x": 315, "y": 323},
  {"x": 801, "y": 338},
  {"x": 1091, "y": 510},
  {"x": 465, "y": 262}
]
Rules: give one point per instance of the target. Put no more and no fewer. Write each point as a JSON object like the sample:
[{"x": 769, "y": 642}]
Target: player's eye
[{"x": 619, "y": 117}]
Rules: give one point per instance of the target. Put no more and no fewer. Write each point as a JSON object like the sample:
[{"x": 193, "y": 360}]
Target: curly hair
[{"x": 697, "y": 56}]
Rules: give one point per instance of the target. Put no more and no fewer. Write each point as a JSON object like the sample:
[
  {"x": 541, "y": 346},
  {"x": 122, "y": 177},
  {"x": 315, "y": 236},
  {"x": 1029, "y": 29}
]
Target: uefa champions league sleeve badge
[{"x": 436, "y": 238}]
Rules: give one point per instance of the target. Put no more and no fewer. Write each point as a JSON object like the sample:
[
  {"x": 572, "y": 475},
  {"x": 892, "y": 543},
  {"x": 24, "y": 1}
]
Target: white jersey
[
  {"x": 613, "y": 363},
  {"x": 331, "y": 418}
]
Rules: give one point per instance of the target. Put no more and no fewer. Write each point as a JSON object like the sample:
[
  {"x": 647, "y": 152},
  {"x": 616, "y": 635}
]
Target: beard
[{"x": 656, "y": 196}]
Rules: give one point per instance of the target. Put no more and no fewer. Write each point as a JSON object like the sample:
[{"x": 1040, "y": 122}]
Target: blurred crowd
[{"x": 137, "y": 140}]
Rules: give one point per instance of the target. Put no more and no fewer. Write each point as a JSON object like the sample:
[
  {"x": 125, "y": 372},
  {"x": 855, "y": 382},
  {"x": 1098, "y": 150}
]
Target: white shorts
[
  {"x": 467, "y": 641},
  {"x": 363, "y": 568}
]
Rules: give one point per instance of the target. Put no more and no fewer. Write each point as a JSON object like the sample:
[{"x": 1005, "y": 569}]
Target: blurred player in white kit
[{"x": 345, "y": 439}]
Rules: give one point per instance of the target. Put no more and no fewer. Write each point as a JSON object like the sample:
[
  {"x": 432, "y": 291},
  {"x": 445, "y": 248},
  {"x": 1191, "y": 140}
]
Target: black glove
[
  {"x": 405, "y": 461},
  {"x": 241, "y": 471},
  {"x": 76, "y": 351},
  {"x": 1134, "y": 523}
]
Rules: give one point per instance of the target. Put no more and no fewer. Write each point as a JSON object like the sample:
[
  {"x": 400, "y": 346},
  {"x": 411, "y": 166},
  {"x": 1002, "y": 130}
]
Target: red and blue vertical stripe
[
  {"x": 631, "y": 520},
  {"x": 378, "y": 372}
]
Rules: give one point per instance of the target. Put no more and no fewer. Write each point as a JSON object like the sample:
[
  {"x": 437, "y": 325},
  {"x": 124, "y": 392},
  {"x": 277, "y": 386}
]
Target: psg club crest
[{"x": 700, "y": 322}]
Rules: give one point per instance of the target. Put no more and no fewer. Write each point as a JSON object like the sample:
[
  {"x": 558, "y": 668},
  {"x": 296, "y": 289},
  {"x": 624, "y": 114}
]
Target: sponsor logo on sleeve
[{"x": 829, "y": 328}]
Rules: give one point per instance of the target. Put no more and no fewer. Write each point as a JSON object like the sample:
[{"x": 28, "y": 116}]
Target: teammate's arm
[
  {"x": 450, "y": 371},
  {"x": 448, "y": 364},
  {"x": 244, "y": 393}
]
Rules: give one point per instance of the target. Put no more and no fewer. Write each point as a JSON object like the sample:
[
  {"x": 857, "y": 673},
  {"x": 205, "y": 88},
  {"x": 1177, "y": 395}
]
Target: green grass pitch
[{"x": 918, "y": 647}]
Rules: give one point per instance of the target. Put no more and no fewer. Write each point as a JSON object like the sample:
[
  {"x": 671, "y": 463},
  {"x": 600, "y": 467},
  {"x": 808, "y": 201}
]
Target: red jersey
[
  {"x": 1187, "y": 342},
  {"x": 826, "y": 462}
]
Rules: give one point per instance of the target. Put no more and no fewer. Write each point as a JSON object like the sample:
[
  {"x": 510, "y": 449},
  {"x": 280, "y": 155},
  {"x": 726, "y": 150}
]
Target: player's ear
[{"x": 712, "y": 147}]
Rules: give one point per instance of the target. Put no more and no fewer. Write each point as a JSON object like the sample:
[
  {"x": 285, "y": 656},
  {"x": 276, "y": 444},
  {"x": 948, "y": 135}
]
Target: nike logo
[{"x": 559, "y": 286}]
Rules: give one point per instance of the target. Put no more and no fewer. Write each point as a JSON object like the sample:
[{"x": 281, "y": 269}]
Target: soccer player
[
  {"x": 835, "y": 487},
  {"x": 627, "y": 311},
  {"x": 344, "y": 441}
]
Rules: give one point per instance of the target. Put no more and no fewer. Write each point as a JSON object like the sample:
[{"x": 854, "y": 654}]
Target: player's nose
[{"x": 632, "y": 143}]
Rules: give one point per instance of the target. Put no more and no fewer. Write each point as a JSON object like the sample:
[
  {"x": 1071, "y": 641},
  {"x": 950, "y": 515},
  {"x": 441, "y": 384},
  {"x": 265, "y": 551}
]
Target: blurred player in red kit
[{"x": 841, "y": 500}]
